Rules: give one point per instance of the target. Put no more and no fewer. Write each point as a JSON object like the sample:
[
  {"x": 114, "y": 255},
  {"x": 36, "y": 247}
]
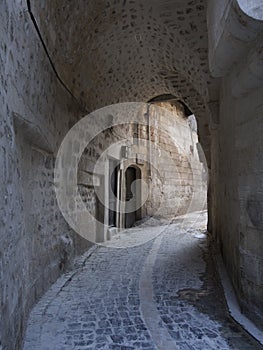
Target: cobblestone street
[{"x": 162, "y": 294}]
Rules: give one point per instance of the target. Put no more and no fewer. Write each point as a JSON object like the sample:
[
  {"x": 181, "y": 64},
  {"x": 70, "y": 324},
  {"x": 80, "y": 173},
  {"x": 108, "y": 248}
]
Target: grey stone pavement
[{"x": 161, "y": 294}]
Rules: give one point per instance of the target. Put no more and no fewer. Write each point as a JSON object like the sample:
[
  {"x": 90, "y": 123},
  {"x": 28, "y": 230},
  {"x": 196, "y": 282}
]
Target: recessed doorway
[{"x": 133, "y": 195}]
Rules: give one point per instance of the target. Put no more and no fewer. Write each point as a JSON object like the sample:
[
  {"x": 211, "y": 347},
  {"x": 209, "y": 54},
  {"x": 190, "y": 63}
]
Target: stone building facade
[{"x": 162, "y": 156}]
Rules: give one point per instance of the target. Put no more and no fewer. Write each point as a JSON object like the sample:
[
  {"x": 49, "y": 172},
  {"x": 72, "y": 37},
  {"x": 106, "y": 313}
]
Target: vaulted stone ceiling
[{"x": 124, "y": 50}]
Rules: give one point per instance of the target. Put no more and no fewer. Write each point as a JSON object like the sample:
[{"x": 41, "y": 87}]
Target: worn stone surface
[
  {"x": 36, "y": 112},
  {"x": 118, "y": 51},
  {"x": 99, "y": 305},
  {"x": 114, "y": 51},
  {"x": 36, "y": 244},
  {"x": 237, "y": 162},
  {"x": 189, "y": 295},
  {"x": 239, "y": 198},
  {"x": 98, "y": 308},
  {"x": 173, "y": 175}
]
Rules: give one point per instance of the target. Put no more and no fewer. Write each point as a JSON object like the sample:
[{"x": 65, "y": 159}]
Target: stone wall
[
  {"x": 239, "y": 196},
  {"x": 178, "y": 179},
  {"x": 237, "y": 164},
  {"x": 174, "y": 177},
  {"x": 120, "y": 51},
  {"x": 35, "y": 113}
]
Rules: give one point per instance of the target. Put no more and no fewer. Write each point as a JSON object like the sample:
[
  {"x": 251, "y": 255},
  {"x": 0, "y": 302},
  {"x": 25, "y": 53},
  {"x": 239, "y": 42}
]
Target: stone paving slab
[{"x": 163, "y": 294}]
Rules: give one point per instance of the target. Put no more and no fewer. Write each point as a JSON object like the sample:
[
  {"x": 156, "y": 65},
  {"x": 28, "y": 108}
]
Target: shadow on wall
[{"x": 254, "y": 208}]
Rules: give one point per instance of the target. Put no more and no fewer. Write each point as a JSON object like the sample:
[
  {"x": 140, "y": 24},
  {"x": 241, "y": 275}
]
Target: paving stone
[{"x": 88, "y": 313}]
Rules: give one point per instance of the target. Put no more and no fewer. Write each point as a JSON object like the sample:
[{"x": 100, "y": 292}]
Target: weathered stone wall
[
  {"x": 166, "y": 154},
  {"x": 237, "y": 164},
  {"x": 35, "y": 113},
  {"x": 239, "y": 195},
  {"x": 178, "y": 179},
  {"x": 109, "y": 52}
]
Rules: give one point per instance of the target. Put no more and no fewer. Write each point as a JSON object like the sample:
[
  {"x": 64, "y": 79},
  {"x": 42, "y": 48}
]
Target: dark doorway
[
  {"x": 113, "y": 171},
  {"x": 132, "y": 174}
]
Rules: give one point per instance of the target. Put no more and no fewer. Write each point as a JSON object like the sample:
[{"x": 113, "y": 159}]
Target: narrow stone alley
[
  {"x": 152, "y": 287},
  {"x": 121, "y": 121}
]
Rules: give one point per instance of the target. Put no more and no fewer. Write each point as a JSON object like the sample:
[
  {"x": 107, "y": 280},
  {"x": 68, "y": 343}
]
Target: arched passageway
[{"x": 60, "y": 62}]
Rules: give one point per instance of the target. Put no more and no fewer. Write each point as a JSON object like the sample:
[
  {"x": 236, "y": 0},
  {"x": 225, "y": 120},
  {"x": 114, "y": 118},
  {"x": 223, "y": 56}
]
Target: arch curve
[{"x": 252, "y": 8}]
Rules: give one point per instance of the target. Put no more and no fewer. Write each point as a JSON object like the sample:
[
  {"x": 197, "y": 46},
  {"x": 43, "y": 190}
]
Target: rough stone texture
[
  {"x": 36, "y": 112},
  {"x": 239, "y": 198},
  {"x": 36, "y": 244},
  {"x": 170, "y": 166},
  {"x": 237, "y": 163},
  {"x": 115, "y": 51},
  {"x": 98, "y": 308},
  {"x": 178, "y": 180},
  {"x": 99, "y": 305}
]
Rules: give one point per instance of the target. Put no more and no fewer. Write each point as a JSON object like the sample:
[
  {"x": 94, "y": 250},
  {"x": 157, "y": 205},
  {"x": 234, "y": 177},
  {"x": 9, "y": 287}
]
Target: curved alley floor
[{"x": 151, "y": 287}]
